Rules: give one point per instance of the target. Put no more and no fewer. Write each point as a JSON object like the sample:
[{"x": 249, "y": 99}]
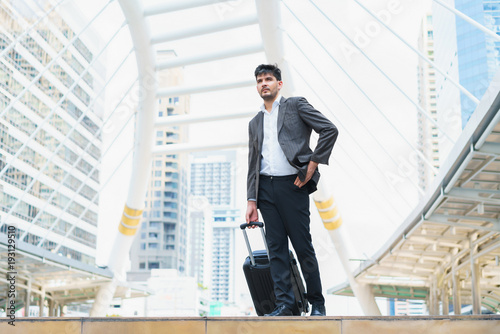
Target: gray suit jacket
[{"x": 296, "y": 119}]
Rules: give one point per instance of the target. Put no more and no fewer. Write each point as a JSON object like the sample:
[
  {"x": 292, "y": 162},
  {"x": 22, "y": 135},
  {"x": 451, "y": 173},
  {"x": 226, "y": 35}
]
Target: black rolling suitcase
[{"x": 258, "y": 276}]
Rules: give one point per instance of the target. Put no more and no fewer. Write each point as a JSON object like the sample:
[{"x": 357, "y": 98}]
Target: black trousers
[{"x": 285, "y": 209}]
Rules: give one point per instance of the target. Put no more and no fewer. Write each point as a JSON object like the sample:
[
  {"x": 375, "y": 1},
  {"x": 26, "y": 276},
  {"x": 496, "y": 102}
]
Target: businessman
[{"x": 282, "y": 172}]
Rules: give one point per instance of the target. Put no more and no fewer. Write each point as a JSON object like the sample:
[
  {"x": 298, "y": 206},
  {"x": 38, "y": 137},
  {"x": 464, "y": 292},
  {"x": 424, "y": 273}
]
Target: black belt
[{"x": 280, "y": 177}]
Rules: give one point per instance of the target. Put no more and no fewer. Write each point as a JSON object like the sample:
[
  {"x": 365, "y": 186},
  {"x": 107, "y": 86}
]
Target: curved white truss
[{"x": 148, "y": 85}]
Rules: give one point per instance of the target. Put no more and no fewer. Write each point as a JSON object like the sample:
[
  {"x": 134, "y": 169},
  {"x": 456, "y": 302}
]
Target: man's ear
[{"x": 280, "y": 84}]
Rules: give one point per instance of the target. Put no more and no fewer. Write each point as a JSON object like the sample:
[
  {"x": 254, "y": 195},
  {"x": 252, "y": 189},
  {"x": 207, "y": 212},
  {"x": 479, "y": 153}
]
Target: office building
[
  {"x": 50, "y": 121},
  {"x": 478, "y": 53},
  {"x": 428, "y": 132},
  {"x": 200, "y": 247},
  {"x": 161, "y": 242},
  {"x": 212, "y": 176},
  {"x": 467, "y": 55},
  {"x": 224, "y": 250}
]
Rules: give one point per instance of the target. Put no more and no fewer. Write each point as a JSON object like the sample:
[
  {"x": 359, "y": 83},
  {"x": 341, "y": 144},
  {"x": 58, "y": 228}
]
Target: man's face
[{"x": 268, "y": 86}]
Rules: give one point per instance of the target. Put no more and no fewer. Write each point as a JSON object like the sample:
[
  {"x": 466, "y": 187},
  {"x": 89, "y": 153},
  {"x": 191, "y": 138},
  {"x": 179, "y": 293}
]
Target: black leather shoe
[
  {"x": 280, "y": 311},
  {"x": 318, "y": 310}
]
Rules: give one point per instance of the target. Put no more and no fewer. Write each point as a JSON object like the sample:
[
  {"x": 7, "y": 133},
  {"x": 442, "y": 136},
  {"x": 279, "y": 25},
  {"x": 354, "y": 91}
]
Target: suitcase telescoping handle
[{"x": 243, "y": 228}]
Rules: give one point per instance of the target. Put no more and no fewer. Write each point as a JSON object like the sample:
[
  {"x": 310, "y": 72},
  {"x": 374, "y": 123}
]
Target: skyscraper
[
  {"x": 428, "y": 133},
  {"x": 200, "y": 241},
  {"x": 50, "y": 129},
  {"x": 223, "y": 254},
  {"x": 468, "y": 56},
  {"x": 212, "y": 176},
  {"x": 162, "y": 239},
  {"x": 478, "y": 53}
]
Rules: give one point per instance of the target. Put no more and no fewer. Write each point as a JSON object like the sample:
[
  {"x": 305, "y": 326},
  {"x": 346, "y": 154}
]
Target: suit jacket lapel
[
  {"x": 281, "y": 113},
  {"x": 260, "y": 130}
]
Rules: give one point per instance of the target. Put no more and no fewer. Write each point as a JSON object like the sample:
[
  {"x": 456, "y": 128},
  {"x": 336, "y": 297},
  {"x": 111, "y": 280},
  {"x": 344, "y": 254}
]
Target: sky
[{"x": 371, "y": 172}]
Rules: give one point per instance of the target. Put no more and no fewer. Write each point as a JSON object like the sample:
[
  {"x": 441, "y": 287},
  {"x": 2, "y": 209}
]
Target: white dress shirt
[{"x": 274, "y": 161}]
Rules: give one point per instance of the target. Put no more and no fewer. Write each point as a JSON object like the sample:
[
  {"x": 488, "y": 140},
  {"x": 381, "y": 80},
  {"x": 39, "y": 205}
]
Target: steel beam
[
  {"x": 173, "y": 6},
  {"x": 445, "y": 299},
  {"x": 41, "y": 301},
  {"x": 178, "y": 91},
  {"x": 474, "y": 227},
  {"x": 459, "y": 171},
  {"x": 478, "y": 169},
  {"x": 209, "y": 56},
  {"x": 473, "y": 195},
  {"x": 27, "y": 300},
  {"x": 208, "y": 117},
  {"x": 414, "y": 254},
  {"x": 187, "y": 148},
  {"x": 398, "y": 273},
  {"x": 457, "y": 303},
  {"x": 475, "y": 288},
  {"x": 205, "y": 29},
  {"x": 438, "y": 217},
  {"x": 490, "y": 148}
]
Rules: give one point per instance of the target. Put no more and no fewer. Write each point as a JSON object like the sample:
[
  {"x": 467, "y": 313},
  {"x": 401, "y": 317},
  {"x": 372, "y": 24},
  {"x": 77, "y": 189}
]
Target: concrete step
[{"x": 484, "y": 324}]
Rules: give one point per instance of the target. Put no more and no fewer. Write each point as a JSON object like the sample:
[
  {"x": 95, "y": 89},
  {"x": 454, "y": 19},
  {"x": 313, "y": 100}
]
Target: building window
[
  {"x": 171, "y": 164},
  {"x": 172, "y": 215},
  {"x": 173, "y": 185},
  {"x": 171, "y": 205},
  {"x": 152, "y": 245},
  {"x": 154, "y": 265},
  {"x": 170, "y": 194},
  {"x": 172, "y": 135},
  {"x": 172, "y": 175},
  {"x": 142, "y": 265},
  {"x": 159, "y": 134},
  {"x": 143, "y": 246},
  {"x": 169, "y": 228},
  {"x": 158, "y": 163}
]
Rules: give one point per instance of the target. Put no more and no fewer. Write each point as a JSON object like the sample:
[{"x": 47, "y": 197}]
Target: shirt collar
[{"x": 275, "y": 104}]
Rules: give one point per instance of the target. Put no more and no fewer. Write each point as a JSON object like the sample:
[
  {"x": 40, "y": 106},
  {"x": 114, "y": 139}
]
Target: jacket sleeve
[
  {"x": 323, "y": 126},
  {"x": 252, "y": 162}
]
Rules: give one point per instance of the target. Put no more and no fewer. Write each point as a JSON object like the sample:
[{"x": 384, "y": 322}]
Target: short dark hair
[{"x": 268, "y": 68}]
